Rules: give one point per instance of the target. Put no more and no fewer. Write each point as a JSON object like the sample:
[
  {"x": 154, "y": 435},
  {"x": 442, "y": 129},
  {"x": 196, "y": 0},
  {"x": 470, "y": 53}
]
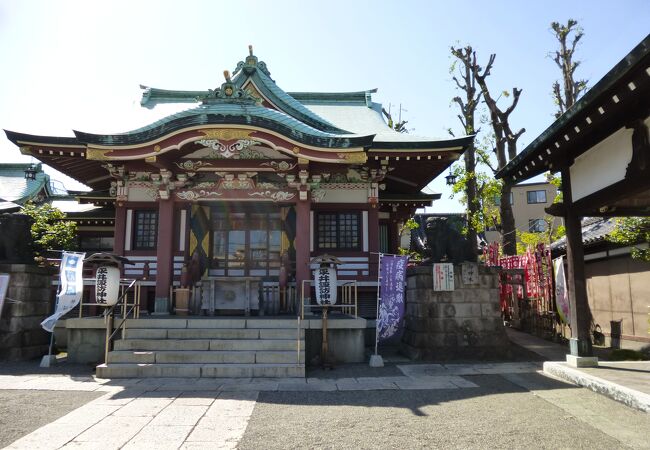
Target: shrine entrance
[
  {"x": 243, "y": 245},
  {"x": 245, "y": 241}
]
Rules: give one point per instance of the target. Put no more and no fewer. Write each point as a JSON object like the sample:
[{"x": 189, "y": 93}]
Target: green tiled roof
[
  {"x": 284, "y": 101},
  {"x": 15, "y": 188},
  {"x": 231, "y": 113}
]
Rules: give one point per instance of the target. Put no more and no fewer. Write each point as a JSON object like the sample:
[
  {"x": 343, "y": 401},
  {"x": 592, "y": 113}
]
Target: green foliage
[
  {"x": 488, "y": 191},
  {"x": 410, "y": 224},
  {"x": 50, "y": 230},
  {"x": 632, "y": 231},
  {"x": 557, "y": 182},
  {"x": 530, "y": 239}
]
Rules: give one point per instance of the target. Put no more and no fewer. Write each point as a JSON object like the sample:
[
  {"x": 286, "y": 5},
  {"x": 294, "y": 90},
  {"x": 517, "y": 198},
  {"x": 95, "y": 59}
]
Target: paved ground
[
  {"x": 454, "y": 404},
  {"x": 633, "y": 374},
  {"x": 504, "y": 411},
  {"x": 409, "y": 406},
  {"x": 22, "y": 412}
]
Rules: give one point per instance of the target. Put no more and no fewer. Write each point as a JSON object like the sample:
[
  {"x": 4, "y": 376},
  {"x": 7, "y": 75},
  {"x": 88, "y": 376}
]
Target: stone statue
[
  {"x": 16, "y": 239},
  {"x": 439, "y": 239}
]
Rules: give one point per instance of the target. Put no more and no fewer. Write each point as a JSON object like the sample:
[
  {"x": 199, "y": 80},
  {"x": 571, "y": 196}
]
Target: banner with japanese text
[
  {"x": 70, "y": 287},
  {"x": 392, "y": 273},
  {"x": 561, "y": 291}
]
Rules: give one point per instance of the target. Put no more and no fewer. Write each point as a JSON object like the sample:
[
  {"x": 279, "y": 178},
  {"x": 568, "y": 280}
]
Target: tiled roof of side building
[
  {"x": 594, "y": 229},
  {"x": 15, "y": 188}
]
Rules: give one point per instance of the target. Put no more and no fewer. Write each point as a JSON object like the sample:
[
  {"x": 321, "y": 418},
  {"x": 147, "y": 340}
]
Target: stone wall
[
  {"x": 21, "y": 335},
  {"x": 463, "y": 323}
]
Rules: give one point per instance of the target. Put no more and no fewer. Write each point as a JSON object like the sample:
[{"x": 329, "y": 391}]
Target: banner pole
[
  {"x": 49, "y": 359},
  {"x": 376, "y": 360},
  {"x": 378, "y": 301}
]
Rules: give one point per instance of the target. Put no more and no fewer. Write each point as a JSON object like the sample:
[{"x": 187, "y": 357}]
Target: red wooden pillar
[
  {"x": 394, "y": 232},
  {"x": 164, "y": 255},
  {"x": 303, "y": 232},
  {"x": 373, "y": 239},
  {"x": 120, "y": 229}
]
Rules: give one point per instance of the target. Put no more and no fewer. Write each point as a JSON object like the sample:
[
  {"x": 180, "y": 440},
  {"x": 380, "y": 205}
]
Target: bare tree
[
  {"x": 468, "y": 106},
  {"x": 505, "y": 148},
  {"x": 400, "y": 125},
  {"x": 568, "y": 92}
]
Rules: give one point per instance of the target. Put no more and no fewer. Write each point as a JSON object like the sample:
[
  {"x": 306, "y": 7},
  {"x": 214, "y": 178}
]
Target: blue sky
[{"x": 78, "y": 64}]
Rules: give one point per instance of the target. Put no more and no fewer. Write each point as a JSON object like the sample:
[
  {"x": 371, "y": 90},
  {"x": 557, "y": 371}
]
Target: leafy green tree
[
  {"x": 633, "y": 231},
  {"x": 550, "y": 234},
  {"x": 410, "y": 225},
  {"x": 50, "y": 230}
]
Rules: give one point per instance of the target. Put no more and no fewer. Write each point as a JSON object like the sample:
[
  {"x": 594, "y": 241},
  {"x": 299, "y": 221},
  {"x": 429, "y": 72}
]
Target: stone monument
[{"x": 28, "y": 296}]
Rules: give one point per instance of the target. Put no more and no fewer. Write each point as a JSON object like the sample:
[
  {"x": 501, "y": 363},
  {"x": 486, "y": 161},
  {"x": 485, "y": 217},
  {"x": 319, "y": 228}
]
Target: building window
[
  {"x": 384, "y": 240},
  {"x": 338, "y": 231},
  {"x": 497, "y": 200},
  {"x": 536, "y": 196},
  {"x": 96, "y": 243},
  {"x": 537, "y": 225},
  {"x": 146, "y": 230}
]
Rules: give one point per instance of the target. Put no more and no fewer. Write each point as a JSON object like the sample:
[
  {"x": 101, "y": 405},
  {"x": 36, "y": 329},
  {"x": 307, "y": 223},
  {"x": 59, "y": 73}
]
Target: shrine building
[{"x": 246, "y": 186}]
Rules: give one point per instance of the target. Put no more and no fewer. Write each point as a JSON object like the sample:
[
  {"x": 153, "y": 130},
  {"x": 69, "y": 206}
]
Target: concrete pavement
[
  {"x": 625, "y": 381},
  {"x": 205, "y": 413}
]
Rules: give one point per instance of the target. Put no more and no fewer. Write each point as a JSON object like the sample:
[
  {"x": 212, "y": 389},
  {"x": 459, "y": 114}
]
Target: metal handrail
[
  {"x": 298, "y": 343},
  {"x": 109, "y": 313},
  {"x": 347, "y": 293},
  {"x": 136, "y": 299}
]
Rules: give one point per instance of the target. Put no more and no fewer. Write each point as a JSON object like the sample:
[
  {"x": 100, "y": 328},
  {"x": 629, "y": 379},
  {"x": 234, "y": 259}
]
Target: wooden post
[
  {"x": 580, "y": 319},
  {"x": 120, "y": 229},
  {"x": 164, "y": 256},
  {"x": 324, "y": 350},
  {"x": 303, "y": 232}
]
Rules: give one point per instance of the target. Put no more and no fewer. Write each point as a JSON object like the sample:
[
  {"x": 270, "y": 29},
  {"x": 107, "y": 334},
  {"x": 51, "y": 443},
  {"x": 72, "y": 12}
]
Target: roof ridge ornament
[
  {"x": 251, "y": 64},
  {"x": 229, "y": 93}
]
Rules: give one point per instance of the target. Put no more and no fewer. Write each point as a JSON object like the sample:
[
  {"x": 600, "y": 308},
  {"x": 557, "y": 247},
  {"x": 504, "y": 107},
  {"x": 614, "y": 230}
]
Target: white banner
[
  {"x": 4, "y": 285},
  {"x": 70, "y": 287},
  {"x": 561, "y": 291}
]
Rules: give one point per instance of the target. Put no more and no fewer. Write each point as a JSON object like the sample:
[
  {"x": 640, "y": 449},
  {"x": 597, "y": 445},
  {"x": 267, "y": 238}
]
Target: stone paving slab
[{"x": 608, "y": 387}]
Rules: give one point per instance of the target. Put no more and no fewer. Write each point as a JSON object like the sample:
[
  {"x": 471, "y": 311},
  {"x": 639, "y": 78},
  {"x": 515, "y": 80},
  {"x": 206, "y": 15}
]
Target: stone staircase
[{"x": 212, "y": 347}]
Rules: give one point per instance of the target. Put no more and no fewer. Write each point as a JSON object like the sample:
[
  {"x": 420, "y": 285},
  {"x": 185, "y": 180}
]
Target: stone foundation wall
[
  {"x": 345, "y": 345},
  {"x": 21, "y": 335},
  {"x": 465, "y": 322}
]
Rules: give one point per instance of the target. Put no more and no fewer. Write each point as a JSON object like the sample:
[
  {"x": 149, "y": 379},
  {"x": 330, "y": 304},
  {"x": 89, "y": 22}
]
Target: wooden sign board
[{"x": 469, "y": 273}]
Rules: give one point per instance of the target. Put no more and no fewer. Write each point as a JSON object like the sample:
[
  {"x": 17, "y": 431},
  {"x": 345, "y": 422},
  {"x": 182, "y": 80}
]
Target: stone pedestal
[
  {"x": 463, "y": 323},
  {"x": 21, "y": 335}
]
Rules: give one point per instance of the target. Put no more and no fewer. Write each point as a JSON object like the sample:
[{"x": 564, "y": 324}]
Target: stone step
[
  {"x": 132, "y": 370},
  {"x": 202, "y": 333},
  {"x": 256, "y": 344},
  {"x": 146, "y": 333},
  {"x": 205, "y": 344},
  {"x": 205, "y": 357},
  {"x": 162, "y": 344},
  {"x": 212, "y": 323}
]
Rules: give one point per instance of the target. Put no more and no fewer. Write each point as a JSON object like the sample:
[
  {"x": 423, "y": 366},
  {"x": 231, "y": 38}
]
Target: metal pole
[
  {"x": 324, "y": 352},
  {"x": 378, "y": 299}
]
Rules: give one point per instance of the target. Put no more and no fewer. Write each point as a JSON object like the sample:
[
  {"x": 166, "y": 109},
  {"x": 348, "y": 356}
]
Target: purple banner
[{"x": 392, "y": 272}]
